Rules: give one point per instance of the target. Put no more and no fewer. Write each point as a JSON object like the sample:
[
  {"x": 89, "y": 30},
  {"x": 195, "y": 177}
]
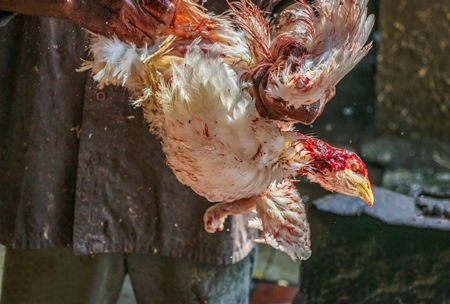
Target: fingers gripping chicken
[{"x": 293, "y": 70}]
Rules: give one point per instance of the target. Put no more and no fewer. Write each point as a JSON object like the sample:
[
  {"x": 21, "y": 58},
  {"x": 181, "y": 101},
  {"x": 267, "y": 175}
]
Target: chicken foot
[{"x": 215, "y": 215}]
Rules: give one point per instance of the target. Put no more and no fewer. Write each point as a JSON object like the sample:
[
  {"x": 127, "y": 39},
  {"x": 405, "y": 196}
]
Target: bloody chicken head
[{"x": 337, "y": 170}]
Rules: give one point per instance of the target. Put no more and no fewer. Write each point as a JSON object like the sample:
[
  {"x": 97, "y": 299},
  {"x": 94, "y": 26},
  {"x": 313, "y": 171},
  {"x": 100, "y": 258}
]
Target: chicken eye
[{"x": 355, "y": 167}]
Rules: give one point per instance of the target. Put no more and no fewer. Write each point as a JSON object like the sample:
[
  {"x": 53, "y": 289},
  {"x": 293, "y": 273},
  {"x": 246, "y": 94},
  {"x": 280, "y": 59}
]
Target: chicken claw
[{"x": 215, "y": 215}]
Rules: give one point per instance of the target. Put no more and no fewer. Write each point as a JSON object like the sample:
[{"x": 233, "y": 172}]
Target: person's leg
[
  {"x": 171, "y": 281},
  {"x": 56, "y": 276}
]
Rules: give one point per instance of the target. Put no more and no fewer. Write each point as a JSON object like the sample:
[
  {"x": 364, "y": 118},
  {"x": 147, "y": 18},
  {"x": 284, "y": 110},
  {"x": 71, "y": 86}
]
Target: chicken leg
[{"x": 216, "y": 214}]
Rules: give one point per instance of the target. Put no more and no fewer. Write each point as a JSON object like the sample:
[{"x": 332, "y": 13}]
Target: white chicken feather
[{"x": 206, "y": 109}]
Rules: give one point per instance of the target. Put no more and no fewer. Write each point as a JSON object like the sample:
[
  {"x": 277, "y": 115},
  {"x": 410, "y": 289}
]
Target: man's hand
[{"x": 135, "y": 21}]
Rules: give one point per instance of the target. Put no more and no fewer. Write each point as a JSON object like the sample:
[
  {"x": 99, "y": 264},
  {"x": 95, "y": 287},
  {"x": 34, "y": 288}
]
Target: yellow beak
[
  {"x": 364, "y": 190},
  {"x": 360, "y": 186}
]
